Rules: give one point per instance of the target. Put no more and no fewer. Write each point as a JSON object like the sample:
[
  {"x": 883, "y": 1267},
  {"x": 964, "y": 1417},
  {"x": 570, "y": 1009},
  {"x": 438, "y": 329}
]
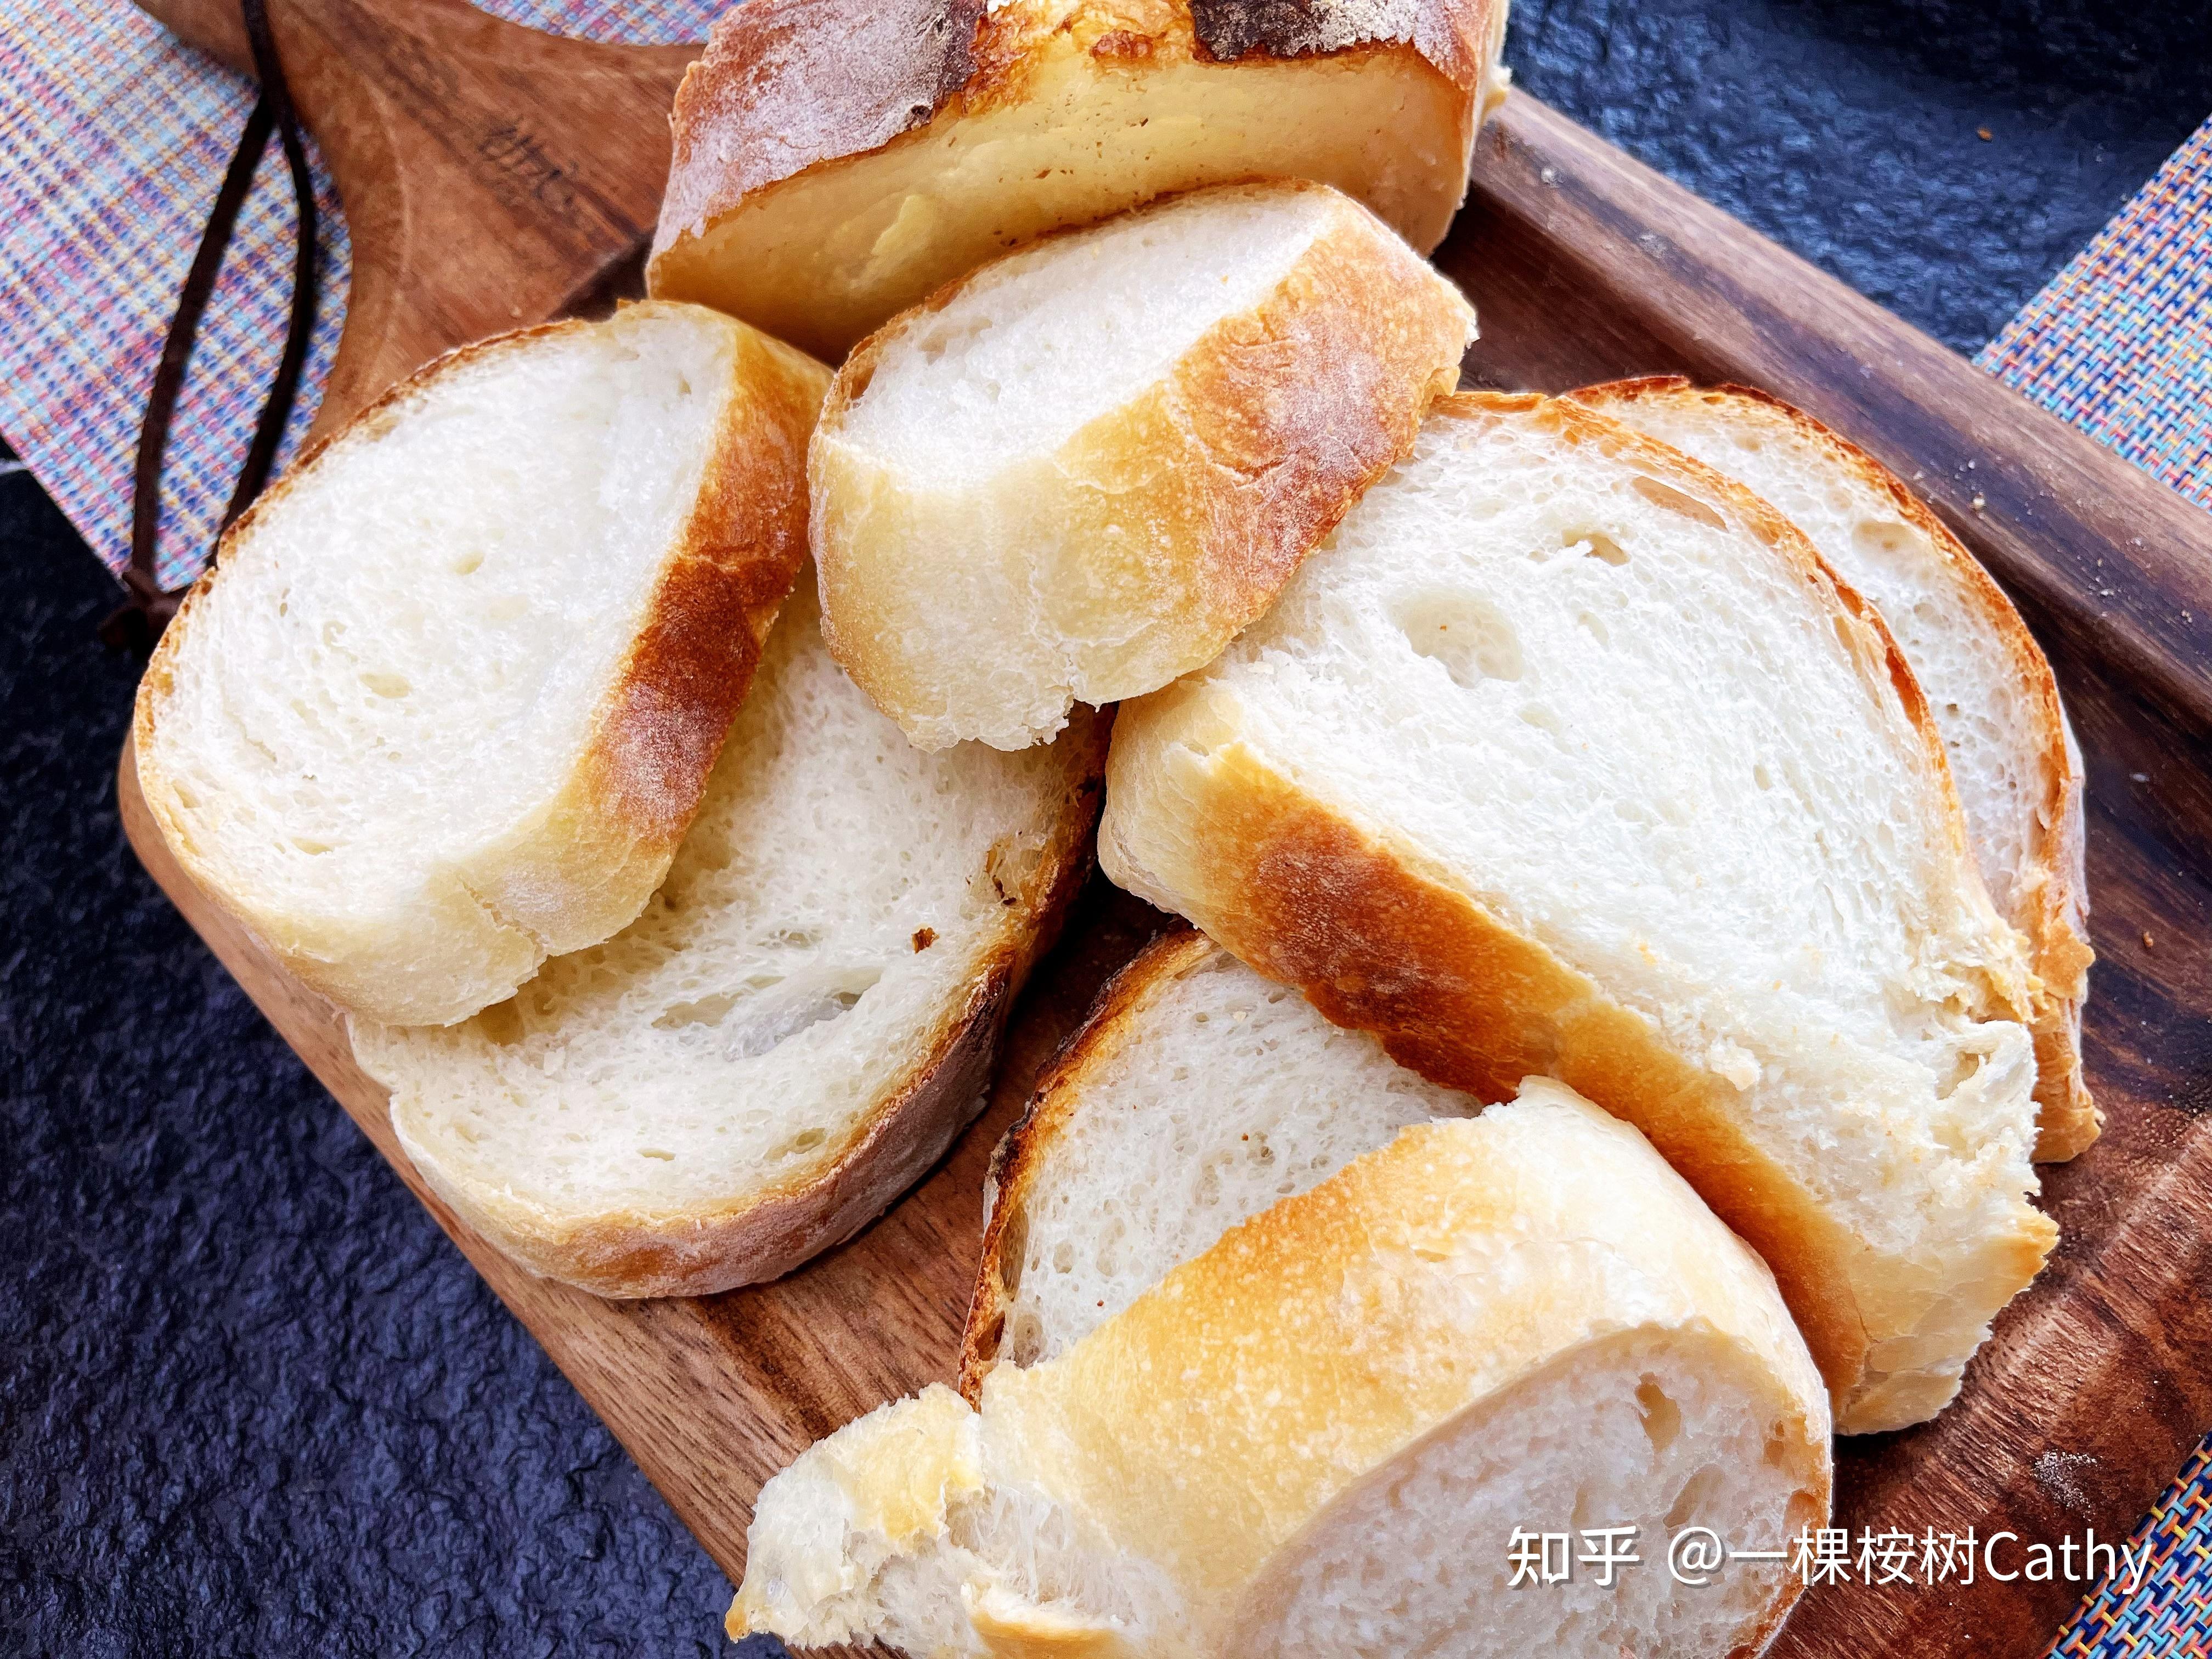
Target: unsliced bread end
[{"x": 834, "y": 163}]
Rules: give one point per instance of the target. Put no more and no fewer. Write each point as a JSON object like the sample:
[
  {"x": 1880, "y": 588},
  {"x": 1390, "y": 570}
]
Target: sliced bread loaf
[
  {"x": 793, "y": 1030},
  {"x": 1197, "y": 1095},
  {"x": 1570, "y": 757},
  {"x": 447, "y": 703},
  {"x": 1076, "y": 473},
  {"x": 838, "y": 160},
  {"x": 1332, "y": 1430},
  {"x": 1988, "y": 685}
]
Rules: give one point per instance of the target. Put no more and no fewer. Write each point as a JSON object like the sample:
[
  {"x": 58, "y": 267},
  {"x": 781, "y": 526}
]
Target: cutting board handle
[
  {"x": 215, "y": 27},
  {"x": 492, "y": 176}
]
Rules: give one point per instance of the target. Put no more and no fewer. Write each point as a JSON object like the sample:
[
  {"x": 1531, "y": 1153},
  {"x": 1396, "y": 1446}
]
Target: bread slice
[
  {"x": 1197, "y": 1095},
  {"x": 1320, "y": 1435},
  {"x": 836, "y": 160},
  {"x": 1989, "y": 687},
  {"x": 1075, "y": 474},
  {"x": 795, "y": 1029},
  {"x": 447, "y": 703},
  {"x": 1570, "y": 757}
]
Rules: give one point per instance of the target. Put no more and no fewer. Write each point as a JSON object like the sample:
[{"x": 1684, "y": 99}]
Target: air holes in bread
[
  {"x": 1007, "y": 868},
  {"x": 501, "y": 1024},
  {"x": 1662, "y": 1417},
  {"x": 1471, "y": 639},
  {"x": 1883, "y": 540},
  {"x": 387, "y": 685},
  {"x": 767, "y": 1011},
  {"x": 1699, "y": 1496},
  {"x": 804, "y": 1141},
  {"x": 1596, "y": 545},
  {"x": 951, "y": 337},
  {"x": 1674, "y": 500},
  {"x": 1024, "y": 1341}
]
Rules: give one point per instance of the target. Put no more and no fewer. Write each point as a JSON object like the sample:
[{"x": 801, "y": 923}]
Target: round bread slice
[
  {"x": 1345, "y": 1428},
  {"x": 1569, "y": 757},
  {"x": 1988, "y": 686},
  {"x": 448, "y": 702},
  {"x": 1076, "y": 473},
  {"x": 1196, "y": 1095},
  {"x": 836, "y": 160},
  {"x": 794, "y": 1029}
]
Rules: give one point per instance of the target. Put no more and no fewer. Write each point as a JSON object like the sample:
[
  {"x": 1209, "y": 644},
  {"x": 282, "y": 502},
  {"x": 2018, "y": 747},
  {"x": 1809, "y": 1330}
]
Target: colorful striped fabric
[
  {"x": 2169, "y": 1615},
  {"x": 113, "y": 139},
  {"x": 2120, "y": 342}
]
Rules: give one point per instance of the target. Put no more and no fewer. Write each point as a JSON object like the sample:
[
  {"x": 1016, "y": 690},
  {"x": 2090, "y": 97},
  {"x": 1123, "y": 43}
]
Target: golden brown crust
[
  {"x": 1380, "y": 941},
  {"x": 1193, "y": 503},
  {"x": 1014, "y": 1162},
  {"x": 1282, "y": 1375},
  {"x": 1310, "y": 900},
  {"x": 579, "y": 870},
  {"x": 789, "y": 85},
  {"x": 665, "y": 717},
  {"x": 2054, "y": 906},
  {"x": 765, "y": 1234}
]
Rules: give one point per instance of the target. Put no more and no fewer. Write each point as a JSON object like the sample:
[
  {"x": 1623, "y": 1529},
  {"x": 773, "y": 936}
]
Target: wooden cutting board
[{"x": 494, "y": 176}]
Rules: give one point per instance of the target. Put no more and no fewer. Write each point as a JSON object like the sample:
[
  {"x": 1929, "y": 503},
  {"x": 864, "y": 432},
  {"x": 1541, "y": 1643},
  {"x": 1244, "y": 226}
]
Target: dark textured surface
[
  {"x": 251, "y": 1402},
  {"x": 1849, "y": 130}
]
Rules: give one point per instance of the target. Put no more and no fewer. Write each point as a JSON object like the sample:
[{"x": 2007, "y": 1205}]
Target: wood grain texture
[
  {"x": 494, "y": 176},
  {"x": 713, "y": 1394},
  {"x": 1585, "y": 265}
]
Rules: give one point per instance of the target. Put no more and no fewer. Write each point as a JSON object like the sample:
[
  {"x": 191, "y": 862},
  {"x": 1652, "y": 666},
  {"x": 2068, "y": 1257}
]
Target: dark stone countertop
[{"x": 251, "y": 1400}]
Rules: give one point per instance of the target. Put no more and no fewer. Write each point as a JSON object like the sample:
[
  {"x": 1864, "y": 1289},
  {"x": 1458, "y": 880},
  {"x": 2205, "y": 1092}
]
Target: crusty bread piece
[
  {"x": 1987, "y": 683},
  {"x": 447, "y": 703},
  {"x": 1196, "y": 1095},
  {"x": 1569, "y": 756},
  {"x": 793, "y": 1030},
  {"x": 1319, "y": 1436},
  {"x": 838, "y": 160},
  {"x": 1076, "y": 473}
]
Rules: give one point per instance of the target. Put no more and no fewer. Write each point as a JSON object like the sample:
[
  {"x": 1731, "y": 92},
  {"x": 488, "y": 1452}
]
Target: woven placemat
[
  {"x": 2120, "y": 342},
  {"x": 115, "y": 138}
]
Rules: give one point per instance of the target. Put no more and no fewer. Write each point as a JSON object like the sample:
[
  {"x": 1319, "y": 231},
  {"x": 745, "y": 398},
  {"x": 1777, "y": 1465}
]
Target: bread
[
  {"x": 1195, "y": 1095},
  {"x": 1569, "y": 757},
  {"x": 447, "y": 703},
  {"x": 1988, "y": 686},
  {"x": 1076, "y": 473},
  {"x": 836, "y": 160},
  {"x": 1320, "y": 1436},
  {"x": 793, "y": 1030}
]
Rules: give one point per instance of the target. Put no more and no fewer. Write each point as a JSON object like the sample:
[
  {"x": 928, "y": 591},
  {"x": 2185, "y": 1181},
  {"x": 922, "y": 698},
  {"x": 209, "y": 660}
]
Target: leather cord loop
[{"x": 150, "y": 606}]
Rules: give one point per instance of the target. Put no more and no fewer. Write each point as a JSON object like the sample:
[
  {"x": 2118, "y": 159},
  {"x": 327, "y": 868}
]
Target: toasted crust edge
[
  {"x": 2057, "y": 907},
  {"x": 1240, "y": 482},
  {"x": 1105, "y": 1032},
  {"x": 1307, "y": 897},
  {"x": 629, "y": 1255},
  {"x": 609, "y": 833},
  {"x": 787, "y": 85}
]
